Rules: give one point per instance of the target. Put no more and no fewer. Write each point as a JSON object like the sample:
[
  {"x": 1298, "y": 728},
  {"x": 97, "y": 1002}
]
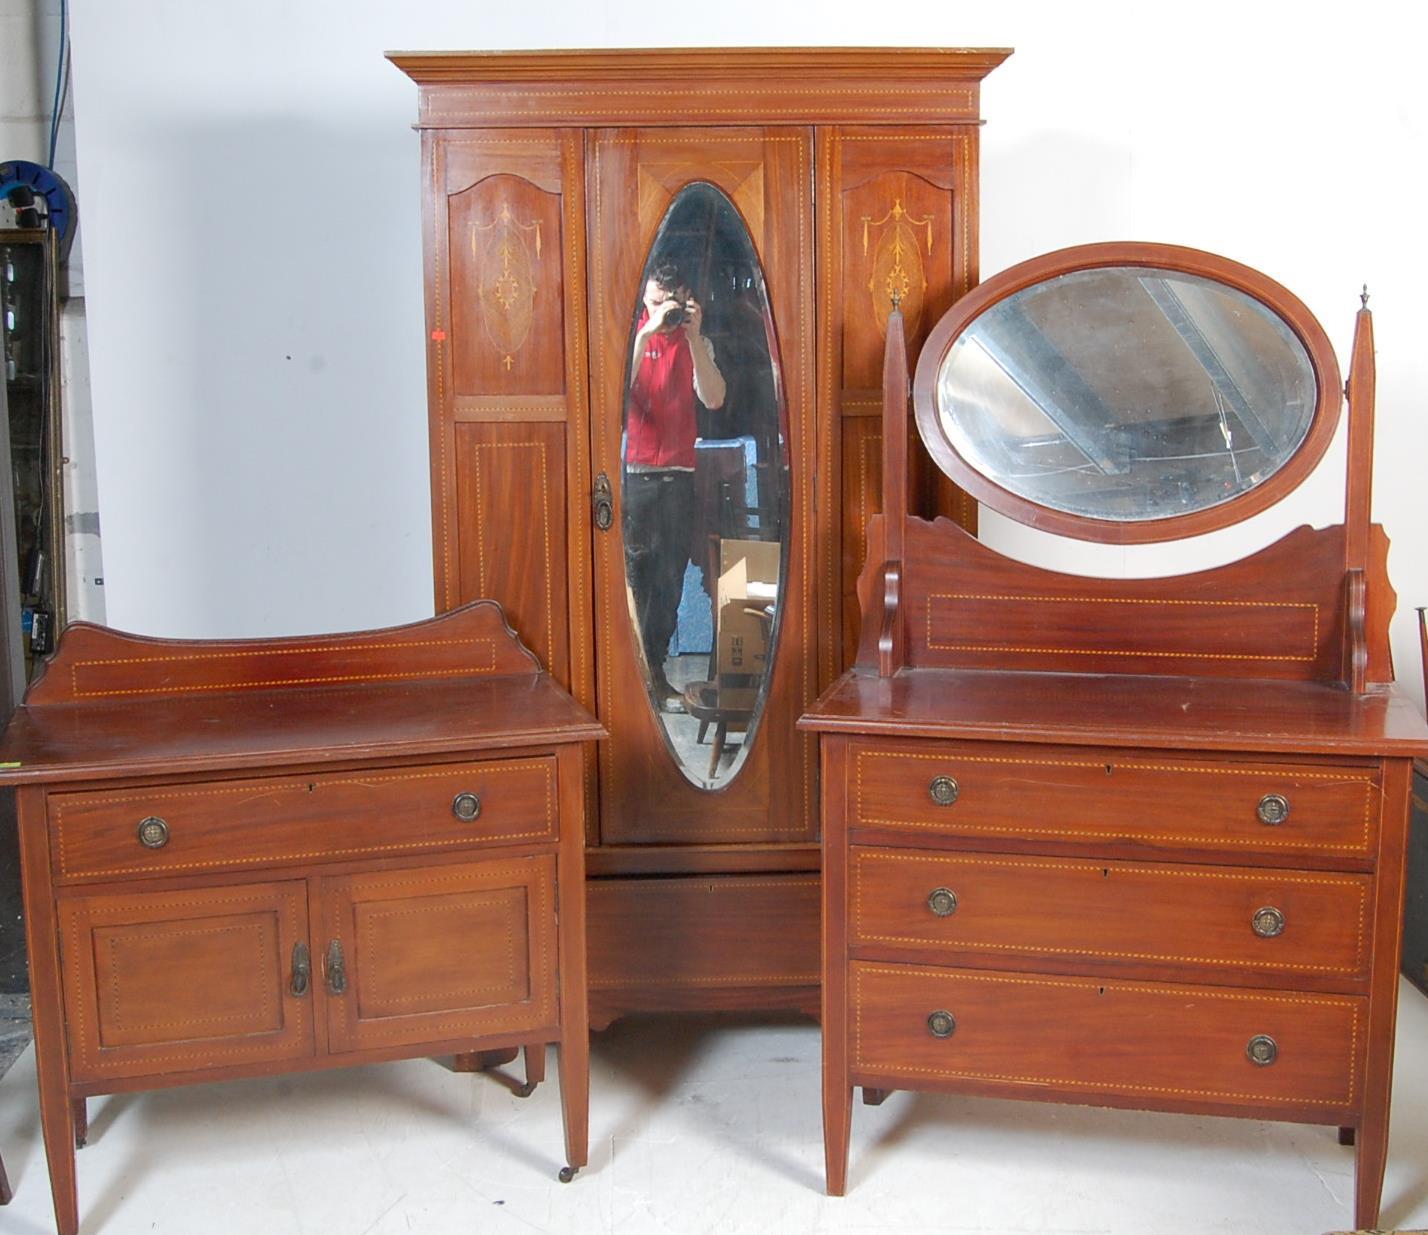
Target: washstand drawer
[
  {"x": 1034, "y": 1035},
  {"x": 1220, "y": 919},
  {"x": 1107, "y": 796},
  {"x": 337, "y": 816}
]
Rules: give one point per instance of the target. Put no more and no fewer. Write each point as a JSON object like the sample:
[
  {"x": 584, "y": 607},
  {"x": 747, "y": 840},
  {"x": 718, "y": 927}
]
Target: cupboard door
[
  {"x": 506, "y": 384},
  {"x": 438, "y": 953},
  {"x": 895, "y": 215},
  {"x": 670, "y": 705},
  {"x": 185, "y": 979}
]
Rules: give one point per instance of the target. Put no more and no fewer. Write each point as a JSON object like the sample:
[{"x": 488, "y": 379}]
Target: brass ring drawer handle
[
  {"x": 153, "y": 833},
  {"x": 1262, "y": 1050},
  {"x": 1268, "y": 922},
  {"x": 1273, "y": 809},
  {"x": 942, "y": 902},
  {"x": 944, "y": 790},
  {"x": 941, "y": 1024},
  {"x": 466, "y": 806}
]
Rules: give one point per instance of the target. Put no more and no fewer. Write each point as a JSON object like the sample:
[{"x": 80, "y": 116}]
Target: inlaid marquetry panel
[{"x": 504, "y": 240}]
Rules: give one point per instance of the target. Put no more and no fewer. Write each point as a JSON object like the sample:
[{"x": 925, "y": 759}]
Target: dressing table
[{"x": 1122, "y": 842}]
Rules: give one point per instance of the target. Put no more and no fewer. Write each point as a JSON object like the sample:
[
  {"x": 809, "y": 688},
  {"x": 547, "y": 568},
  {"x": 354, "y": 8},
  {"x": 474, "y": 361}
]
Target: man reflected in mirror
[{"x": 672, "y": 368}]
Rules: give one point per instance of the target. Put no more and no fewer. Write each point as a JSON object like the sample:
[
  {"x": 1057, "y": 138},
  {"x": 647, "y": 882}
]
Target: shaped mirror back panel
[
  {"x": 1128, "y": 392},
  {"x": 705, "y": 485}
]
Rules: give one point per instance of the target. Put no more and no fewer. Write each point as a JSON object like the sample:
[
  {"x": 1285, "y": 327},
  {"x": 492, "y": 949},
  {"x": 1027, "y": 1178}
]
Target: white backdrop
[{"x": 253, "y": 260}]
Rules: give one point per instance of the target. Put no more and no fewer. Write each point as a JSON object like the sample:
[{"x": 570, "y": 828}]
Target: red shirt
[{"x": 660, "y": 426}]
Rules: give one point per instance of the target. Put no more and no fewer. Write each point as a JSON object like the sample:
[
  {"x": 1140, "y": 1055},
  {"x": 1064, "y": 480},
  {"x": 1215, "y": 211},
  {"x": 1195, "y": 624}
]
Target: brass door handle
[
  {"x": 603, "y": 503},
  {"x": 302, "y": 970},
  {"x": 335, "y": 969}
]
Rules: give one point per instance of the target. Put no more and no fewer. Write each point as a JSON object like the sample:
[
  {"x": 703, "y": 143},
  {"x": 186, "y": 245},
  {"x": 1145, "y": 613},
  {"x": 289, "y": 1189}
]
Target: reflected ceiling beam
[
  {"x": 1170, "y": 304},
  {"x": 1042, "y": 373}
]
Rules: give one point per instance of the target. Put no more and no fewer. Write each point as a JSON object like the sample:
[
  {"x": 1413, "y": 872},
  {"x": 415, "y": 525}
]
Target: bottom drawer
[{"x": 1159, "y": 1045}]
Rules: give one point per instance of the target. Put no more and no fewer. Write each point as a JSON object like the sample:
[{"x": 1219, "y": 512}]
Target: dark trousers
[{"x": 658, "y": 516}]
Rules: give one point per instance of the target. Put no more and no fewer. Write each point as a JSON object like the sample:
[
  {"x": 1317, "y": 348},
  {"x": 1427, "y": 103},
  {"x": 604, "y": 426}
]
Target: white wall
[{"x": 254, "y": 263}]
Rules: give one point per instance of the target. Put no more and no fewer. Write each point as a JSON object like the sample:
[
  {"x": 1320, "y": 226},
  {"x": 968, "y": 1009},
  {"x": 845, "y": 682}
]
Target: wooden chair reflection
[{"x": 727, "y": 700}]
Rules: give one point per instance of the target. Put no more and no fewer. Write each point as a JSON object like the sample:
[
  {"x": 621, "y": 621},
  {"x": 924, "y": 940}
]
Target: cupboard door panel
[
  {"x": 184, "y": 980},
  {"x": 635, "y": 175},
  {"x": 509, "y": 477},
  {"x": 432, "y": 954},
  {"x": 504, "y": 222}
]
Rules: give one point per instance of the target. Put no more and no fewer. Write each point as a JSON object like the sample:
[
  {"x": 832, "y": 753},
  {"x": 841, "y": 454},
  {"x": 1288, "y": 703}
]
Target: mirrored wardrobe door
[{"x": 701, "y": 429}]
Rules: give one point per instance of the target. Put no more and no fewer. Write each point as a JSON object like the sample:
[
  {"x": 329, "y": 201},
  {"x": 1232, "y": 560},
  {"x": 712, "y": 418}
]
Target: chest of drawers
[
  {"x": 249, "y": 858},
  {"x": 1159, "y": 925}
]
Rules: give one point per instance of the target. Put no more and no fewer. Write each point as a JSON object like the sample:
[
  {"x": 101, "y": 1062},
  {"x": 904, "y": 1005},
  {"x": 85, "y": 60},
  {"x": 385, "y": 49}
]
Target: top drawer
[
  {"x": 233, "y": 824},
  {"x": 1108, "y": 796}
]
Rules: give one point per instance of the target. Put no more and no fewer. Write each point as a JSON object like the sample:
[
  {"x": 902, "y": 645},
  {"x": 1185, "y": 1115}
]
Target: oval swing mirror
[
  {"x": 705, "y": 493},
  {"x": 1128, "y": 392}
]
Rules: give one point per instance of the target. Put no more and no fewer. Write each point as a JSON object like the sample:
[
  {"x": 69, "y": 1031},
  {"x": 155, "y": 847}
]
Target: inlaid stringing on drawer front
[
  {"x": 270, "y": 821},
  {"x": 1161, "y": 1043},
  {"x": 1119, "y": 911},
  {"x": 1066, "y": 794}
]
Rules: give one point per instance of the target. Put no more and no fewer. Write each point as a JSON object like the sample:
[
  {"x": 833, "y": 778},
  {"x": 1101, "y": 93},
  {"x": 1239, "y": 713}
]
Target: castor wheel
[
  {"x": 567, "y": 1173},
  {"x": 524, "y": 1091}
]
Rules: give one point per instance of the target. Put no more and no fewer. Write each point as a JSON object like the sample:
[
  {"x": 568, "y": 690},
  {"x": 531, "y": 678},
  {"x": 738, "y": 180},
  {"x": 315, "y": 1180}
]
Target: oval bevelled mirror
[
  {"x": 704, "y": 482},
  {"x": 1128, "y": 392}
]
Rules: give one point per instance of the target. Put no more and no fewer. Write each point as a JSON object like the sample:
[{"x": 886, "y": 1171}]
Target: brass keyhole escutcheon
[
  {"x": 153, "y": 833},
  {"x": 942, "y": 902},
  {"x": 943, "y": 790},
  {"x": 941, "y": 1024},
  {"x": 466, "y": 806},
  {"x": 1268, "y": 922},
  {"x": 1262, "y": 1050},
  {"x": 1273, "y": 809}
]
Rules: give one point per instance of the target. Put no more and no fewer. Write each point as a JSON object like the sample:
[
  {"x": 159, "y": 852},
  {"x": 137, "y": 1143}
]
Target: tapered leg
[
  {"x": 1346, "y": 1136},
  {"x": 1370, "y": 1159},
  {"x": 535, "y": 1063},
  {"x": 837, "y": 1092},
  {"x": 47, "y": 1008},
  {"x": 5, "y": 1193},
  {"x": 574, "y": 1012},
  {"x": 79, "y": 1112}
]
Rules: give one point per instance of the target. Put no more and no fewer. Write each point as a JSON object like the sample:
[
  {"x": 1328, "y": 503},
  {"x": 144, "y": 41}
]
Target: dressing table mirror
[{"x": 1121, "y": 842}]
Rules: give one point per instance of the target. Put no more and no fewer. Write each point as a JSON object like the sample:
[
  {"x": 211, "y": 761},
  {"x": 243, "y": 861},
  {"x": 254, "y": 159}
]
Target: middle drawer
[
  {"x": 1216, "y": 918},
  {"x": 333, "y": 816}
]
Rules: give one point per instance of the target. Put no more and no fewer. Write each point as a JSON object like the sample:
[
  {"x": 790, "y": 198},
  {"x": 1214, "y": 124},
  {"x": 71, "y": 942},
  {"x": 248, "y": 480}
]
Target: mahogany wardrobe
[{"x": 695, "y": 590}]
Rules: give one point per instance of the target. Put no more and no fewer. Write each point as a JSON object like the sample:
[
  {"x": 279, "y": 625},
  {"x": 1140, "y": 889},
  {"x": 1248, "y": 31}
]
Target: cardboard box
[{"x": 748, "y": 584}]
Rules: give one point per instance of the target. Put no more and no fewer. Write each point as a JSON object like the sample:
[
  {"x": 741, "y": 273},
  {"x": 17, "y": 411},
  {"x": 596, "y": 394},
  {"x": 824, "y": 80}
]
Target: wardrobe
[{"x": 794, "y": 192}]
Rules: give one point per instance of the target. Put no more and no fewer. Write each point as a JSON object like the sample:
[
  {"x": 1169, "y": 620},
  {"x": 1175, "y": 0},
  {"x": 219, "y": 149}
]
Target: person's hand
[{"x": 694, "y": 317}]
